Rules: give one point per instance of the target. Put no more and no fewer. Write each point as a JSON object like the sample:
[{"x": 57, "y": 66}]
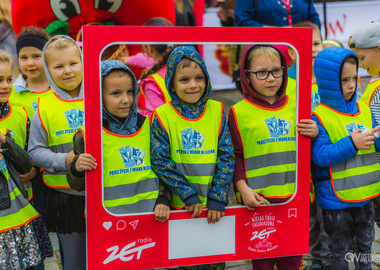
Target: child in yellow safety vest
[
  {"x": 265, "y": 168},
  {"x": 59, "y": 115},
  {"x": 126, "y": 149},
  {"x": 29, "y": 86},
  {"x": 365, "y": 42},
  {"x": 18, "y": 243},
  {"x": 191, "y": 144},
  {"x": 344, "y": 166}
]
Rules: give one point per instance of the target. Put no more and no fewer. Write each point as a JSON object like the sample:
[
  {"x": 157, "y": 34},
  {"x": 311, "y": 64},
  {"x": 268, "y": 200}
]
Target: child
[
  {"x": 123, "y": 129},
  {"x": 18, "y": 243},
  {"x": 32, "y": 82},
  {"x": 191, "y": 145},
  {"x": 317, "y": 48},
  {"x": 60, "y": 115},
  {"x": 318, "y": 239},
  {"x": 263, "y": 76},
  {"x": 16, "y": 120},
  {"x": 365, "y": 42},
  {"x": 152, "y": 82},
  {"x": 345, "y": 168}
]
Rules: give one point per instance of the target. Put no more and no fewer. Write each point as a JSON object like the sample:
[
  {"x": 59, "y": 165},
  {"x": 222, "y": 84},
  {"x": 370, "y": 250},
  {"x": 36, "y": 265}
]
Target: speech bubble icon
[
  {"x": 107, "y": 225},
  {"x": 120, "y": 225}
]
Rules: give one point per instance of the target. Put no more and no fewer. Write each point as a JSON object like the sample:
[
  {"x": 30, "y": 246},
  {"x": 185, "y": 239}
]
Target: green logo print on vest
[{"x": 75, "y": 119}]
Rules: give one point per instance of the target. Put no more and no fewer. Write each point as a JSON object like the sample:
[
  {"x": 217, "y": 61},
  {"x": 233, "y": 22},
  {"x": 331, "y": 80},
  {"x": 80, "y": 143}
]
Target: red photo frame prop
[{"x": 139, "y": 241}]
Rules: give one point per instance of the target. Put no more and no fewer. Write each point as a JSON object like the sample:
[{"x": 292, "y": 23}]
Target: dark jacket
[{"x": 18, "y": 161}]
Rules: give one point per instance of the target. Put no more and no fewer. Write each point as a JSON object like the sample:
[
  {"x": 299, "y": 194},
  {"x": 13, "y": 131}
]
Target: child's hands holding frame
[
  {"x": 249, "y": 197},
  {"x": 308, "y": 127},
  {"x": 85, "y": 162}
]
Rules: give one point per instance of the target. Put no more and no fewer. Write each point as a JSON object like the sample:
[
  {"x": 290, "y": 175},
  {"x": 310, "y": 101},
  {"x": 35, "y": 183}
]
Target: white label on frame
[{"x": 195, "y": 237}]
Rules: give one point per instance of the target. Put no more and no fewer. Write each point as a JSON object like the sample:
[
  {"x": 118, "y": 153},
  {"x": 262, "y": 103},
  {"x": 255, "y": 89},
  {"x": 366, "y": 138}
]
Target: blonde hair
[
  {"x": 5, "y": 12},
  {"x": 6, "y": 58},
  {"x": 59, "y": 43},
  {"x": 258, "y": 51}
]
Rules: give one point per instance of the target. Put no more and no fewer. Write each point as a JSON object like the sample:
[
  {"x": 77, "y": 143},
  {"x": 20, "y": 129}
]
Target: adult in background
[
  {"x": 274, "y": 13},
  {"x": 7, "y": 35}
]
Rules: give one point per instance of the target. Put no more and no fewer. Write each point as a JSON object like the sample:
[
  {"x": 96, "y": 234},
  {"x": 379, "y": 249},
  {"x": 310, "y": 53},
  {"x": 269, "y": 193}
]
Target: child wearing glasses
[{"x": 265, "y": 145}]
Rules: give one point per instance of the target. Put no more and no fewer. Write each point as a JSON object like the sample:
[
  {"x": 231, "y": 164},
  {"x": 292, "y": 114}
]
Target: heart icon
[{"x": 107, "y": 225}]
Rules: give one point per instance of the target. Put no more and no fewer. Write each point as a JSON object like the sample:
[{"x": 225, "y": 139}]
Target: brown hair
[
  {"x": 352, "y": 60},
  {"x": 116, "y": 73},
  {"x": 33, "y": 31},
  {"x": 308, "y": 24},
  {"x": 163, "y": 49}
]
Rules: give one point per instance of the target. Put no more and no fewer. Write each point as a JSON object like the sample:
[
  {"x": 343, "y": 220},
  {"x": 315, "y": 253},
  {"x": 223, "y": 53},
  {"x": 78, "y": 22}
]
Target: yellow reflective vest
[
  {"x": 357, "y": 179},
  {"x": 269, "y": 147},
  {"x": 61, "y": 119},
  {"x": 372, "y": 86},
  {"x": 27, "y": 99},
  {"x": 161, "y": 85},
  {"x": 21, "y": 211},
  {"x": 193, "y": 145},
  {"x": 129, "y": 183},
  {"x": 16, "y": 121}
]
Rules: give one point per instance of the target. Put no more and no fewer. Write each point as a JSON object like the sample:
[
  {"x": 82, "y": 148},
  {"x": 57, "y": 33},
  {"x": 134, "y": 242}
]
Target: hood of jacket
[
  {"x": 129, "y": 126},
  {"x": 328, "y": 69},
  {"x": 186, "y": 109},
  {"x": 248, "y": 91},
  {"x": 59, "y": 91}
]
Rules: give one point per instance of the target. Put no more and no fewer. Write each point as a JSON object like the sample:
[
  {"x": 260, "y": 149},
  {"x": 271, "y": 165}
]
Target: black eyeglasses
[{"x": 264, "y": 74}]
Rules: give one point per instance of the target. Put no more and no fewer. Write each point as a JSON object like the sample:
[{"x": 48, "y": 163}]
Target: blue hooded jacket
[
  {"x": 160, "y": 147},
  {"x": 328, "y": 68}
]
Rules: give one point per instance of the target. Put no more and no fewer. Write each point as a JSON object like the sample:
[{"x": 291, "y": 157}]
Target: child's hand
[
  {"x": 161, "y": 212},
  {"x": 376, "y": 132},
  {"x": 2, "y": 138},
  {"x": 124, "y": 59},
  {"x": 213, "y": 216},
  {"x": 69, "y": 157},
  {"x": 29, "y": 175},
  {"x": 362, "y": 141},
  {"x": 308, "y": 127},
  {"x": 195, "y": 208},
  {"x": 85, "y": 162},
  {"x": 249, "y": 197}
]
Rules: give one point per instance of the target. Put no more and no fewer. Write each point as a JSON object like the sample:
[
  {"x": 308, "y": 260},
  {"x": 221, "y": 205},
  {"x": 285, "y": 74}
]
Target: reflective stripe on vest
[
  {"x": 357, "y": 179},
  {"x": 193, "y": 145},
  {"x": 161, "y": 85},
  {"x": 129, "y": 183},
  {"x": 372, "y": 86},
  {"x": 16, "y": 122},
  {"x": 27, "y": 99},
  {"x": 61, "y": 119},
  {"x": 20, "y": 212},
  {"x": 269, "y": 147}
]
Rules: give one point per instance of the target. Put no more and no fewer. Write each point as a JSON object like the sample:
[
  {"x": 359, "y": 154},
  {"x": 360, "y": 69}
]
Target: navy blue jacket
[{"x": 271, "y": 12}]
